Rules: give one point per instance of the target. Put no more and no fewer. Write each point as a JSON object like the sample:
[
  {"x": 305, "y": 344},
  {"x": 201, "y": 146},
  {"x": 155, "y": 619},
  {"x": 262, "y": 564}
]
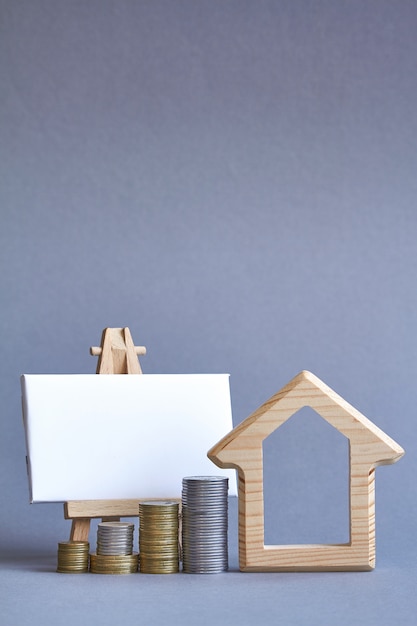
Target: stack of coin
[
  {"x": 73, "y": 557},
  {"x": 115, "y": 538},
  {"x": 158, "y": 537},
  {"x": 204, "y": 524},
  {"x": 117, "y": 564},
  {"x": 114, "y": 553}
]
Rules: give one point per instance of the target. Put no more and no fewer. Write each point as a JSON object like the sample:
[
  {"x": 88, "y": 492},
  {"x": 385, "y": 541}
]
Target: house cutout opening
[{"x": 306, "y": 482}]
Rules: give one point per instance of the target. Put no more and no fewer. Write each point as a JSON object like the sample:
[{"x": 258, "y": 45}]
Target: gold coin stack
[
  {"x": 116, "y": 564},
  {"x": 158, "y": 537},
  {"x": 73, "y": 557}
]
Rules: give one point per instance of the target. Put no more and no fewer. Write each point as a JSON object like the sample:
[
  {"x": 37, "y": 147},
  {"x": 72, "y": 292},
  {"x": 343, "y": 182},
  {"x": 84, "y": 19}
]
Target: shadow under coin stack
[
  {"x": 114, "y": 553},
  {"x": 73, "y": 557},
  {"x": 158, "y": 537},
  {"x": 204, "y": 524}
]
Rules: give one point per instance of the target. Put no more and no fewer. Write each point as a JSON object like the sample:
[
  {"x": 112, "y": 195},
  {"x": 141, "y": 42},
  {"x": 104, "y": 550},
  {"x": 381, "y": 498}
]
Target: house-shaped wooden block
[{"x": 242, "y": 449}]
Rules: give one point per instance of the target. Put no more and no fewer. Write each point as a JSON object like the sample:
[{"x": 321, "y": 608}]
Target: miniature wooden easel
[{"x": 117, "y": 355}]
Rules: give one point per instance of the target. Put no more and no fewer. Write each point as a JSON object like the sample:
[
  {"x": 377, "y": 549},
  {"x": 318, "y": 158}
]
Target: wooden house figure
[{"x": 242, "y": 449}]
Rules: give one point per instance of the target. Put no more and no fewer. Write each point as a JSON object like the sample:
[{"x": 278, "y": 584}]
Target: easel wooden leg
[{"x": 80, "y": 529}]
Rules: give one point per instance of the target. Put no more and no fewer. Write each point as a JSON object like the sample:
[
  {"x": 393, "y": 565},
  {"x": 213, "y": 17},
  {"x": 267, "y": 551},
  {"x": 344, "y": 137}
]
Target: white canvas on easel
[{"x": 92, "y": 437}]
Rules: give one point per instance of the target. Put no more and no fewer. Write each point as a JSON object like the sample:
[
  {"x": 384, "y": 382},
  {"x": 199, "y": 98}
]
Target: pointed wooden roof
[{"x": 373, "y": 446}]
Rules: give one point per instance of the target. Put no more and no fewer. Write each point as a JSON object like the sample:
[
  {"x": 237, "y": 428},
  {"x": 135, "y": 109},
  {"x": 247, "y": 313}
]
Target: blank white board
[{"x": 92, "y": 437}]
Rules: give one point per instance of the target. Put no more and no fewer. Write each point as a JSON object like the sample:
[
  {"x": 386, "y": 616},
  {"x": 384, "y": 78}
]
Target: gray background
[{"x": 236, "y": 182}]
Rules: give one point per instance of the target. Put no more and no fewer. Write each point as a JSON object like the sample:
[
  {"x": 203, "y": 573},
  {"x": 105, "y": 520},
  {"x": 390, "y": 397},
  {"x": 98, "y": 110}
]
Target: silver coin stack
[
  {"x": 204, "y": 524},
  {"x": 115, "y": 538}
]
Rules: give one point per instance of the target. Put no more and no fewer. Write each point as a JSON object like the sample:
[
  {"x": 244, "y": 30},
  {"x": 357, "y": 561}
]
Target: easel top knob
[{"x": 117, "y": 353}]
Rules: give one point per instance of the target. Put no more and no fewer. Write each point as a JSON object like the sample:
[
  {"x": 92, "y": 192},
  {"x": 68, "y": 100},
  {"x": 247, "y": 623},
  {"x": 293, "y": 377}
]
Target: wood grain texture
[
  {"x": 80, "y": 530},
  {"x": 117, "y": 353},
  {"x": 242, "y": 449},
  {"x": 79, "y": 509}
]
